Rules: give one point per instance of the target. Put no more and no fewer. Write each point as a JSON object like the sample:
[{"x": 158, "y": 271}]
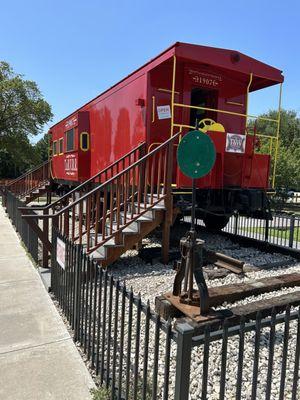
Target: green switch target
[{"x": 196, "y": 154}]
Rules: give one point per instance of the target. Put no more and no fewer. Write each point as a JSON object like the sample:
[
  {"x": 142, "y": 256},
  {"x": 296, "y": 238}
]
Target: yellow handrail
[
  {"x": 225, "y": 112},
  {"x": 173, "y": 95},
  {"x": 248, "y": 90},
  {"x": 246, "y": 116},
  {"x": 277, "y": 136}
]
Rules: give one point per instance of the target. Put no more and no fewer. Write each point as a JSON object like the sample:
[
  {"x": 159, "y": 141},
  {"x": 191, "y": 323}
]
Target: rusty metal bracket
[{"x": 189, "y": 268}]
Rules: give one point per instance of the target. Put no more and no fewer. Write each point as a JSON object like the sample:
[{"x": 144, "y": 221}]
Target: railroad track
[
  {"x": 223, "y": 261},
  {"x": 226, "y": 264}
]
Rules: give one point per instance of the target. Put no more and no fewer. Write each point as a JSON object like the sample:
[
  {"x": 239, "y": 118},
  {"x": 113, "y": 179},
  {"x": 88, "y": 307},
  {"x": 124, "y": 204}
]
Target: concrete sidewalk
[{"x": 38, "y": 359}]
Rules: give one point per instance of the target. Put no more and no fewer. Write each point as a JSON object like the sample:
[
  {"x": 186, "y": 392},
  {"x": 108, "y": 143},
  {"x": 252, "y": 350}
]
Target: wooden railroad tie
[
  {"x": 223, "y": 261},
  {"x": 169, "y": 305}
]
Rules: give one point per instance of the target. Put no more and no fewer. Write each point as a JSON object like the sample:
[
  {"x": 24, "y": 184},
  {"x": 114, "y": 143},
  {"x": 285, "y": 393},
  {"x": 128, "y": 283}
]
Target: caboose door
[
  {"x": 160, "y": 124},
  {"x": 199, "y": 91}
]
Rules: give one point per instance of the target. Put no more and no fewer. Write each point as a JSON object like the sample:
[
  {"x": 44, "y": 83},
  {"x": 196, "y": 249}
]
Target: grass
[
  {"x": 283, "y": 233},
  {"x": 101, "y": 393}
]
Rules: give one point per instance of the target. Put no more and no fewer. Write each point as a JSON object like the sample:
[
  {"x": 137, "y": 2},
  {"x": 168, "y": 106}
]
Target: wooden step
[
  {"x": 102, "y": 250},
  {"x": 135, "y": 225},
  {"x": 145, "y": 227},
  {"x": 29, "y": 197},
  {"x": 159, "y": 206},
  {"x": 128, "y": 230}
]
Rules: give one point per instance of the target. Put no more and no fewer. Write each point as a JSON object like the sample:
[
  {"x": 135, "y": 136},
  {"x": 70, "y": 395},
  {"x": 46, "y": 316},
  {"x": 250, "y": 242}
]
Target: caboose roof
[
  {"x": 233, "y": 62},
  {"x": 237, "y": 63}
]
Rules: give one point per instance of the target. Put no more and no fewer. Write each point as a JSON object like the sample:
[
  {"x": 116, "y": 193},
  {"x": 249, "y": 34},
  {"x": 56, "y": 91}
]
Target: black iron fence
[
  {"x": 28, "y": 236},
  {"x": 138, "y": 355},
  {"x": 128, "y": 345},
  {"x": 282, "y": 230},
  {"x": 284, "y": 199}
]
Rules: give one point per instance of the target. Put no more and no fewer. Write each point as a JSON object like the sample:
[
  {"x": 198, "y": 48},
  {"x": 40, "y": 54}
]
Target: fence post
[
  {"x": 292, "y": 230},
  {"x": 236, "y": 220},
  {"x": 168, "y": 204},
  {"x": 267, "y": 230},
  {"x": 183, "y": 360},
  {"x": 77, "y": 299},
  {"x": 53, "y": 261},
  {"x": 46, "y": 233}
]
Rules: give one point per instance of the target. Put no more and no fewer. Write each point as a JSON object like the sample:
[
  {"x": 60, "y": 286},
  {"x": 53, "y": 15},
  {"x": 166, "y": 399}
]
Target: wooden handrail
[
  {"x": 27, "y": 173},
  {"x": 85, "y": 183},
  {"x": 30, "y": 181},
  {"x": 107, "y": 209},
  {"x": 109, "y": 181}
]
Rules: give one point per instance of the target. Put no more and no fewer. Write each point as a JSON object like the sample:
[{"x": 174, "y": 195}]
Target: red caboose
[{"x": 185, "y": 87}]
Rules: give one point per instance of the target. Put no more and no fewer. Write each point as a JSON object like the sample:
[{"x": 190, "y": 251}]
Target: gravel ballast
[{"x": 151, "y": 280}]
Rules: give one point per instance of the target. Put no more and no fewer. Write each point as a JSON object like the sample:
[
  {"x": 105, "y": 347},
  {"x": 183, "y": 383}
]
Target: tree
[
  {"x": 289, "y": 127},
  {"x": 42, "y": 148},
  {"x": 23, "y": 113},
  {"x": 288, "y": 165}
]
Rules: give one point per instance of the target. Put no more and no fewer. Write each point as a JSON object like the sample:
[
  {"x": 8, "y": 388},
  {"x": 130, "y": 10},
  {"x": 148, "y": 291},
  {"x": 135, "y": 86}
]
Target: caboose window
[
  {"x": 54, "y": 148},
  {"x": 61, "y": 146},
  {"x": 206, "y": 98},
  {"x": 70, "y": 142},
  {"x": 84, "y": 141}
]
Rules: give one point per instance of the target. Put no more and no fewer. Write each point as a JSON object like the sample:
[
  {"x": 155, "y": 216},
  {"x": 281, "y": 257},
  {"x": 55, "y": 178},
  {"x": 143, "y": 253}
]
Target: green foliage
[
  {"x": 42, "y": 148},
  {"x": 288, "y": 165},
  {"x": 289, "y": 127},
  {"x": 101, "y": 393},
  {"x": 23, "y": 113}
]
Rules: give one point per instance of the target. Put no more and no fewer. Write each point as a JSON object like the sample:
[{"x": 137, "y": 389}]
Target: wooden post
[
  {"x": 168, "y": 204},
  {"x": 46, "y": 234},
  {"x": 142, "y": 184}
]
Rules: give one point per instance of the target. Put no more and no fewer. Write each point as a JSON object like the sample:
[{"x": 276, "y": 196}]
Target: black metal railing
[
  {"x": 253, "y": 360},
  {"x": 28, "y": 236},
  {"x": 138, "y": 355},
  {"x": 282, "y": 230},
  {"x": 127, "y": 344}
]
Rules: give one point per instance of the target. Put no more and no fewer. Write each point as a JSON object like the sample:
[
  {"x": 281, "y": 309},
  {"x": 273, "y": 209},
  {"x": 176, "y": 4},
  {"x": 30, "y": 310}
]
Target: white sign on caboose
[
  {"x": 235, "y": 143},
  {"x": 164, "y": 112},
  {"x": 61, "y": 253}
]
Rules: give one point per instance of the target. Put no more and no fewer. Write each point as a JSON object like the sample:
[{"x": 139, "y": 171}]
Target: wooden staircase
[
  {"x": 140, "y": 227},
  {"x": 36, "y": 193},
  {"x": 32, "y": 184},
  {"x": 109, "y": 214}
]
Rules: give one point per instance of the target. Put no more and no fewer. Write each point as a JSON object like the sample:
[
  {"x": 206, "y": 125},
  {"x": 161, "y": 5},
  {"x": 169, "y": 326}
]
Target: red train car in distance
[{"x": 184, "y": 87}]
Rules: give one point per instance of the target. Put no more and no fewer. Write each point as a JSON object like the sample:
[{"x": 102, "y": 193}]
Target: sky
[{"x": 74, "y": 50}]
